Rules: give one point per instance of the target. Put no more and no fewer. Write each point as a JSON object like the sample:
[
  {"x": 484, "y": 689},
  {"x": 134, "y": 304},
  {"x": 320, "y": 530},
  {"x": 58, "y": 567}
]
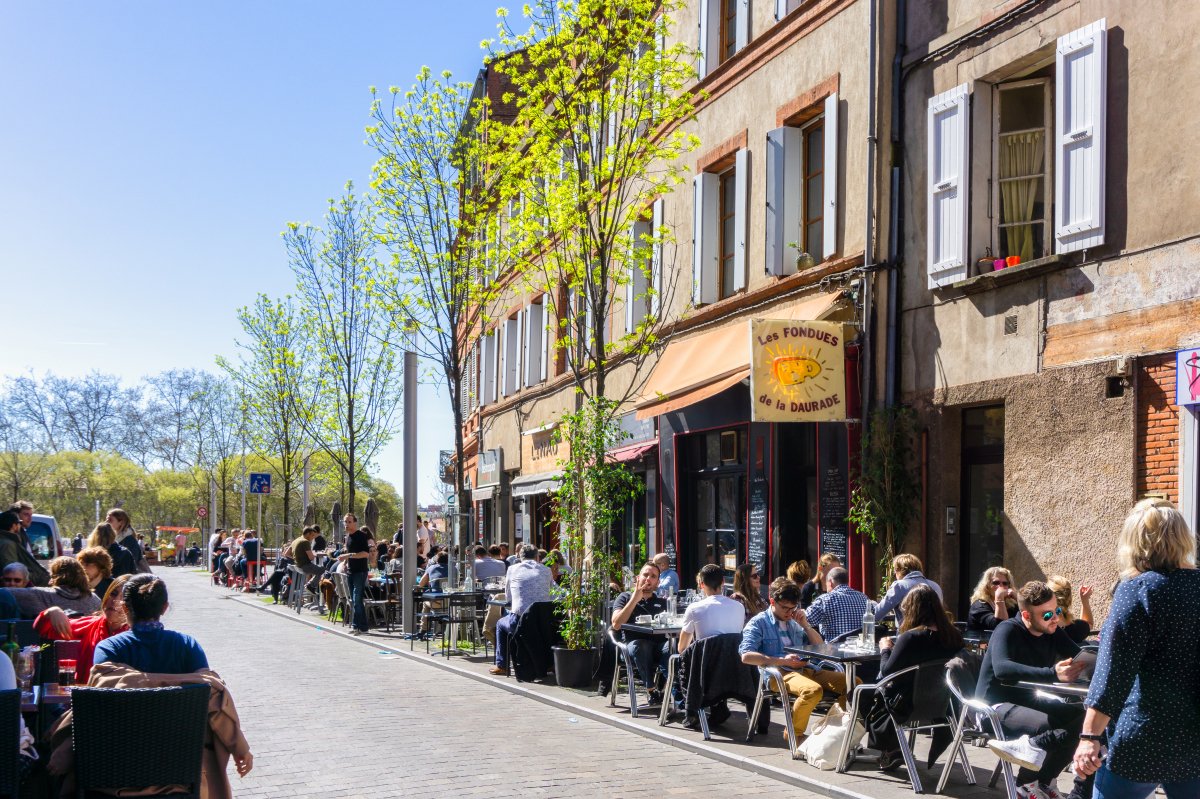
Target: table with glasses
[{"x": 846, "y": 654}]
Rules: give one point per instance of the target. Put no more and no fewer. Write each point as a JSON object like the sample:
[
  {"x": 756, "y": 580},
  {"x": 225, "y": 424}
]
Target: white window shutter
[
  {"x": 1081, "y": 76},
  {"x": 637, "y": 286},
  {"x": 741, "y": 216},
  {"x": 501, "y": 359},
  {"x": 547, "y": 340},
  {"x": 487, "y": 381},
  {"x": 710, "y": 36},
  {"x": 512, "y": 338},
  {"x": 533, "y": 344},
  {"x": 742, "y": 31},
  {"x": 784, "y": 147},
  {"x": 519, "y": 361},
  {"x": 705, "y": 264},
  {"x": 947, "y": 176},
  {"x": 781, "y": 9},
  {"x": 656, "y": 221},
  {"x": 829, "y": 218}
]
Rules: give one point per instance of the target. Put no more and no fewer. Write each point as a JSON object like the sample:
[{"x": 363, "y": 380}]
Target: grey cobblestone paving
[{"x": 327, "y": 717}]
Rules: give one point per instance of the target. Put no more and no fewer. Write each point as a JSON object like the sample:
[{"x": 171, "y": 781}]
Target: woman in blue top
[
  {"x": 146, "y": 646},
  {"x": 1146, "y": 689}
]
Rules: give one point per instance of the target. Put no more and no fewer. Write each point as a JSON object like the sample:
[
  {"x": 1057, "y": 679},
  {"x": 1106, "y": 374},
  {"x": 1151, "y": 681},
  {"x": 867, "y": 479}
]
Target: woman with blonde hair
[
  {"x": 1078, "y": 629},
  {"x": 53, "y": 625},
  {"x": 105, "y": 536},
  {"x": 816, "y": 586},
  {"x": 994, "y": 600},
  {"x": 1147, "y": 677}
]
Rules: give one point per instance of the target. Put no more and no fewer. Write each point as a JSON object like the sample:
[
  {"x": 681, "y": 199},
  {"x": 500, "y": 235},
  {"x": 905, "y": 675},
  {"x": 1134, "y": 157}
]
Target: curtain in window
[{"x": 1021, "y": 154}]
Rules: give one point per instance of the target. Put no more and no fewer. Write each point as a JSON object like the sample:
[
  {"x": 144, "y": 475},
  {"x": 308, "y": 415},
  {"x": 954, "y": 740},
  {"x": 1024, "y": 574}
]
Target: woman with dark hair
[
  {"x": 105, "y": 536},
  {"x": 69, "y": 590},
  {"x": 747, "y": 589},
  {"x": 97, "y": 564},
  {"x": 53, "y": 625},
  {"x": 926, "y": 634},
  {"x": 147, "y": 646}
]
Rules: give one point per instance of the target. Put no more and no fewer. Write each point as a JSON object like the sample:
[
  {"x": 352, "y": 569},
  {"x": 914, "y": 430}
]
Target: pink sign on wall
[{"x": 1187, "y": 377}]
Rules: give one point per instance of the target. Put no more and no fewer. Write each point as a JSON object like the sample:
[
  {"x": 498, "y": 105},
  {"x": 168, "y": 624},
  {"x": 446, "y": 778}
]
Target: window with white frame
[
  {"x": 1022, "y": 134},
  {"x": 724, "y": 29},
  {"x": 535, "y": 330}
]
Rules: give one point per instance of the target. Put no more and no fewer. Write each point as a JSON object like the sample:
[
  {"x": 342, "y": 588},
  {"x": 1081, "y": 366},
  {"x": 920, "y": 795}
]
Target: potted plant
[{"x": 591, "y": 493}]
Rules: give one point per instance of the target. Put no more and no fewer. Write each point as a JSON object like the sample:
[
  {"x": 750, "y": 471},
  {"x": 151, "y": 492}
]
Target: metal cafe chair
[
  {"x": 771, "y": 686},
  {"x": 968, "y": 727},
  {"x": 623, "y": 659}
]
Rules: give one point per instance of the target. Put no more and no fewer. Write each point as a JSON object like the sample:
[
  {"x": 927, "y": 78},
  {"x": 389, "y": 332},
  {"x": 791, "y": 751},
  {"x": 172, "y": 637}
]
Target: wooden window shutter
[
  {"x": 742, "y": 32},
  {"x": 533, "y": 344},
  {"x": 741, "y": 217},
  {"x": 1081, "y": 70},
  {"x": 705, "y": 263},
  {"x": 946, "y": 173},
  {"x": 710, "y": 36},
  {"x": 656, "y": 221},
  {"x": 784, "y": 146},
  {"x": 829, "y": 213}
]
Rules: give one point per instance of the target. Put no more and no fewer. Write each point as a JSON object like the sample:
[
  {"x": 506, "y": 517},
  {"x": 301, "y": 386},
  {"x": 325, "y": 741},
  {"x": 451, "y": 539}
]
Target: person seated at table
[
  {"x": 432, "y": 579},
  {"x": 54, "y": 625},
  {"x": 193, "y": 555},
  {"x": 1077, "y": 629},
  {"x": 668, "y": 578},
  {"x": 816, "y": 586},
  {"x": 648, "y": 651},
  {"x": 28, "y": 755},
  {"x": 926, "y": 634},
  {"x": 302, "y": 551},
  {"x": 13, "y": 549},
  {"x": 488, "y": 568},
  {"x": 68, "y": 590},
  {"x": 994, "y": 600},
  {"x": 525, "y": 583},
  {"x": 146, "y": 646},
  {"x": 97, "y": 565},
  {"x": 15, "y": 575},
  {"x": 785, "y": 624},
  {"x": 747, "y": 590},
  {"x": 275, "y": 581},
  {"x": 1033, "y": 648},
  {"x": 906, "y": 569},
  {"x": 799, "y": 572},
  {"x": 840, "y": 609},
  {"x": 105, "y": 537},
  {"x": 395, "y": 564},
  {"x": 555, "y": 561},
  {"x": 716, "y": 614}
]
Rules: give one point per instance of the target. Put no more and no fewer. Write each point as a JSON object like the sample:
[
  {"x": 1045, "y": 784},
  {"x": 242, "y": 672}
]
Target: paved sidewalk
[{"x": 326, "y": 716}]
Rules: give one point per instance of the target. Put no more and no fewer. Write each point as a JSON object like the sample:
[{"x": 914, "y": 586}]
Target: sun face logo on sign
[{"x": 798, "y": 371}]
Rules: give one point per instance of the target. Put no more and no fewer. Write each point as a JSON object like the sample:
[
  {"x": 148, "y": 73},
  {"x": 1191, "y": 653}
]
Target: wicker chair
[
  {"x": 161, "y": 731},
  {"x": 10, "y": 753}
]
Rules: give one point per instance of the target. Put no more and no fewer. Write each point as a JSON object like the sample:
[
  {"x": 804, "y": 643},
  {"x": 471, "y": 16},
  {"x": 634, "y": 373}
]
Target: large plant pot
[{"x": 573, "y": 667}]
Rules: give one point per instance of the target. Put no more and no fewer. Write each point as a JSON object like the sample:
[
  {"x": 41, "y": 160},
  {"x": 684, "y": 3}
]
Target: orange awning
[{"x": 699, "y": 367}]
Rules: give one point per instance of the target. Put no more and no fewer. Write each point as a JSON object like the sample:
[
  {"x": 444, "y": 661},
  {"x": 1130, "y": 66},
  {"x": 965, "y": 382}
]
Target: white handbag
[{"x": 824, "y": 742}]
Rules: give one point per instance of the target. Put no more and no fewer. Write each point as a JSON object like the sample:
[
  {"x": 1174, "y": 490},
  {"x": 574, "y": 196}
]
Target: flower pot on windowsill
[{"x": 573, "y": 667}]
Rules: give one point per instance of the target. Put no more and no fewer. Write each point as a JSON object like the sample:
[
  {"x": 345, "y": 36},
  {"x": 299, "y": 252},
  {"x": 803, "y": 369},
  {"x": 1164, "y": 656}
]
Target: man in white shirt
[
  {"x": 526, "y": 583},
  {"x": 716, "y": 614}
]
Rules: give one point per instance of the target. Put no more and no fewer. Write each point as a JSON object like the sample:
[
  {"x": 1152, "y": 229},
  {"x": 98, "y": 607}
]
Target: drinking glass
[
  {"x": 25, "y": 672},
  {"x": 66, "y": 674}
]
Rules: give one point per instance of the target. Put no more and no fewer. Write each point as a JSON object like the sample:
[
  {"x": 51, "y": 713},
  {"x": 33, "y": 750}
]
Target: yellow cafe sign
[{"x": 797, "y": 371}]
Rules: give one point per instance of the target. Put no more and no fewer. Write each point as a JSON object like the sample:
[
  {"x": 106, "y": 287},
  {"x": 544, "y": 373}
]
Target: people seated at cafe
[
  {"x": 648, "y": 651},
  {"x": 747, "y": 591},
  {"x": 434, "y": 574},
  {"x": 1042, "y": 731},
  {"x": 925, "y": 635},
  {"x": 28, "y": 755},
  {"x": 395, "y": 564},
  {"x": 488, "y": 566},
  {"x": 526, "y": 583},
  {"x": 994, "y": 600},
  {"x": 785, "y": 624},
  {"x": 668, "y": 578},
  {"x": 275, "y": 581},
  {"x": 105, "y": 537},
  {"x": 302, "y": 551},
  {"x": 68, "y": 590},
  {"x": 716, "y": 614},
  {"x": 193, "y": 555},
  {"x": 812, "y": 589},
  {"x": 799, "y": 572},
  {"x": 15, "y": 575},
  {"x": 147, "y": 646},
  {"x": 906, "y": 571},
  {"x": 840, "y": 609},
  {"x": 12, "y": 549},
  {"x": 97, "y": 565},
  {"x": 556, "y": 562},
  {"x": 53, "y": 624},
  {"x": 1078, "y": 629}
]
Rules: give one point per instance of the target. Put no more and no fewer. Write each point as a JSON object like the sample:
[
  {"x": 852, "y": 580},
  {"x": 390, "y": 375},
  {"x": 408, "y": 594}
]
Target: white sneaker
[
  {"x": 1020, "y": 752},
  {"x": 1051, "y": 791},
  {"x": 1031, "y": 791}
]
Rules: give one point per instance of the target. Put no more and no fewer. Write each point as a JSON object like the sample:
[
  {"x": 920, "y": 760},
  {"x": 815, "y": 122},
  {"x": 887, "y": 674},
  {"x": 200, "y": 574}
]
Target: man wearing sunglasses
[{"x": 1032, "y": 647}]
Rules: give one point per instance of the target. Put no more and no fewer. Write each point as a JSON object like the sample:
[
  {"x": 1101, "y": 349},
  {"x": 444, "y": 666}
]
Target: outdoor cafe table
[
  {"x": 672, "y": 631},
  {"x": 1076, "y": 689},
  {"x": 842, "y": 653}
]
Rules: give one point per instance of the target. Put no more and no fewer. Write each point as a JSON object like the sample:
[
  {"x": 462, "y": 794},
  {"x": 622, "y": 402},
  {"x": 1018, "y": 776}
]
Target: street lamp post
[{"x": 409, "y": 570}]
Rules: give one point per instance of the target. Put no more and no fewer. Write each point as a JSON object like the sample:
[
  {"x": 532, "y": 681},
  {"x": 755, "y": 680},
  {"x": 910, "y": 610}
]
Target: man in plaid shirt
[{"x": 841, "y": 609}]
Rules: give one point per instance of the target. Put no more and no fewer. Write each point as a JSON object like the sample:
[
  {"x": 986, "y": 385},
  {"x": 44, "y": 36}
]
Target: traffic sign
[
  {"x": 260, "y": 483},
  {"x": 201, "y": 512},
  {"x": 452, "y": 500}
]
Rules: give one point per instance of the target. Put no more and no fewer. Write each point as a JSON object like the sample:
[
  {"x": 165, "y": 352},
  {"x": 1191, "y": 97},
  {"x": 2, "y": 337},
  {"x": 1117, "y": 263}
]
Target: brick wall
[{"x": 1158, "y": 428}]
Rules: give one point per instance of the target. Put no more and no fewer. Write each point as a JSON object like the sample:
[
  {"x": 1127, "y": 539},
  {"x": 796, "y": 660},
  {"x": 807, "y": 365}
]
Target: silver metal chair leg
[
  {"x": 956, "y": 751},
  {"x": 616, "y": 678},
  {"x": 669, "y": 694},
  {"x": 846, "y": 755},
  {"x": 776, "y": 675},
  {"x": 910, "y": 762},
  {"x": 752, "y": 723},
  {"x": 704, "y": 724}
]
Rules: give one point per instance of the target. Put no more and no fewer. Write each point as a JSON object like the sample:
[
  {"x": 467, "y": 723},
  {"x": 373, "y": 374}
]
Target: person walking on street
[
  {"x": 356, "y": 557},
  {"x": 1146, "y": 688},
  {"x": 127, "y": 538},
  {"x": 180, "y": 546}
]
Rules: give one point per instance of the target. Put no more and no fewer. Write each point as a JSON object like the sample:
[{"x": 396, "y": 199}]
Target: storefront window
[{"x": 982, "y": 496}]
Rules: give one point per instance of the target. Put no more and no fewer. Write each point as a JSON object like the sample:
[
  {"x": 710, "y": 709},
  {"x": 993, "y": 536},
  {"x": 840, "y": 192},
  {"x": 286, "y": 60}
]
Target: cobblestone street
[{"x": 328, "y": 717}]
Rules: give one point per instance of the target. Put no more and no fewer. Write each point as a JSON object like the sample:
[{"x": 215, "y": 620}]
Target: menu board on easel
[
  {"x": 833, "y": 482},
  {"x": 759, "y": 502}
]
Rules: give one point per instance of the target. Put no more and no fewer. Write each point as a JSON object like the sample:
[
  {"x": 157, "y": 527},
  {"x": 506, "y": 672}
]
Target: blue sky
[{"x": 151, "y": 153}]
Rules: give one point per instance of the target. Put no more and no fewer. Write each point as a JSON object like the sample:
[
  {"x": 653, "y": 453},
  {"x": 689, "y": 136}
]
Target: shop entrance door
[
  {"x": 720, "y": 516},
  {"x": 982, "y": 543}
]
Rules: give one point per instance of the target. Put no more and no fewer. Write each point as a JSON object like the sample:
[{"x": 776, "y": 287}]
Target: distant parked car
[{"x": 44, "y": 538}]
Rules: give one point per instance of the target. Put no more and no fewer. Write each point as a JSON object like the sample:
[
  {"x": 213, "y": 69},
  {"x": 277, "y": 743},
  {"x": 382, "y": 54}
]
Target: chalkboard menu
[
  {"x": 833, "y": 486},
  {"x": 757, "y": 534}
]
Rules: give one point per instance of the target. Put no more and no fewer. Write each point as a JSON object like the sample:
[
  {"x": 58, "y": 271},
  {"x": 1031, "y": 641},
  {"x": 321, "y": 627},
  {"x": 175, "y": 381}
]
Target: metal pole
[
  {"x": 212, "y": 524},
  {"x": 258, "y": 528},
  {"x": 304, "y": 502},
  {"x": 409, "y": 494},
  {"x": 243, "y": 526},
  {"x": 97, "y": 511}
]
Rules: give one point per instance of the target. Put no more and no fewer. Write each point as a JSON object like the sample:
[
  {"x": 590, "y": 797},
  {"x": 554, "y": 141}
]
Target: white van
[{"x": 44, "y": 538}]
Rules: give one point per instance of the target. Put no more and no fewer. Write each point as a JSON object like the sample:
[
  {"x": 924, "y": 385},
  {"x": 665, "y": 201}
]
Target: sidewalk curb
[{"x": 653, "y": 733}]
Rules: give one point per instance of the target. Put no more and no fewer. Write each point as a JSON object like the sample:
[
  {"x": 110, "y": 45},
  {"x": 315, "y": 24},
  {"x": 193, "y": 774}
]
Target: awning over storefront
[
  {"x": 699, "y": 367},
  {"x": 530, "y": 484},
  {"x": 481, "y": 494},
  {"x": 631, "y": 452}
]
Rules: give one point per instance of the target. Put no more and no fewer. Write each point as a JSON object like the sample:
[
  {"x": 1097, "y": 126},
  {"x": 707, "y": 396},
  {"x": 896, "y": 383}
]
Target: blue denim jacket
[{"x": 761, "y": 634}]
